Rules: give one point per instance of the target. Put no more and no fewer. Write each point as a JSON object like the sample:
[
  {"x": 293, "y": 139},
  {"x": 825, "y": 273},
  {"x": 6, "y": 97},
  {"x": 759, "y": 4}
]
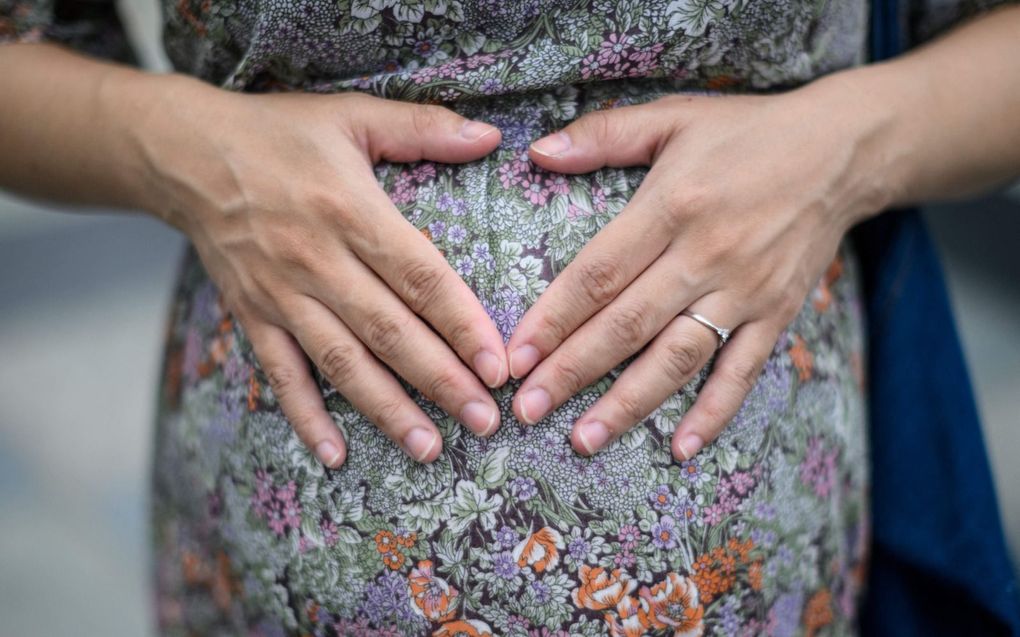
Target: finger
[
  {"x": 597, "y": 275},
  {"x": 398, "y": 131},
  {"x": 670, "y": 361},
  {"x": 616, "y": 332},
  {"x": 623, "y": 136},
  {"x": 413, "y": 268},
  {"x": 385, "y": 325},
  {"x": 733, "y": 376},
  {"x": 352, "y": 369},
  {"x": 286, "y": 369}
]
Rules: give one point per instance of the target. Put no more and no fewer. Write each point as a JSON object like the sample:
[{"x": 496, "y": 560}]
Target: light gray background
[{"x": 83, "y": 301}]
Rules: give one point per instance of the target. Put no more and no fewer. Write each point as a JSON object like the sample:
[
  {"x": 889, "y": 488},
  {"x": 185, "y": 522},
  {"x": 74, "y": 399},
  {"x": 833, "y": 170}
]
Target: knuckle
[
  {"x": 458, "y": 333},
  {"x": 631, "y": 405},
  {"x": 334, "y": 209},
  {"x": 629, "y": 325},
  {"x": 384, "y": 333},
  {"x": 425, "y": 118},
  {"x": 339, "y": 363},
  {"x": 567, "y": 373},
  {"x": 422, "y": 282},
  {"x": 744, "y": 373},
  {"x": 323, "y": 202},
  {"x": 303, "y": 425},
  {"x": 692, "y": 197},
  {"x": 682, "y": 358},
  {"x": 281, "y": 380},
  {"x": 554, "y": 324},
  {"x": 599, "y": 125},
  {"x": 717, "y": 417},
  {"x": 670, "y": 202},
  {"x": 386, "y": 414},
  {"x": 601, "y": 280},
  {"x": 440, "y": 385},
  {"x": 680, "y": 203},
  {"x": 290, "y": 248}
]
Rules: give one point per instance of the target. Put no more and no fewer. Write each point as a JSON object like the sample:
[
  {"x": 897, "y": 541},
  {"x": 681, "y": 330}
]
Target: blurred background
[{"x": 83, "y": 302}]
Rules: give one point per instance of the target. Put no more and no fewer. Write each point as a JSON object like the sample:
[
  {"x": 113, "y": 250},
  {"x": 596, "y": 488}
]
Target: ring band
[{"x": 724, "y": 334}]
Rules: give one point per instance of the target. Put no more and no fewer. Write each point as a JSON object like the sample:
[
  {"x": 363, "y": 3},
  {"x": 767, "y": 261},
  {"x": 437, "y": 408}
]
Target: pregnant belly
[{"x": 516, "y": 534}]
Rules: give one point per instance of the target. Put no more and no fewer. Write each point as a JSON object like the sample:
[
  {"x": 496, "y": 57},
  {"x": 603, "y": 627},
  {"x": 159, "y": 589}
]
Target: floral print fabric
[{"x": 764, "y": 532}]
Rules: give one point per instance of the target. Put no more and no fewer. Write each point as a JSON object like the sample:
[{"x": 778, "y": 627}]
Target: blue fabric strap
[{"x": 939, "y": 562}]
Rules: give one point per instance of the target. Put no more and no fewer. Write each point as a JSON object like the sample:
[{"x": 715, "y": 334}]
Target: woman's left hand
[{"x": 744, "y": 206}]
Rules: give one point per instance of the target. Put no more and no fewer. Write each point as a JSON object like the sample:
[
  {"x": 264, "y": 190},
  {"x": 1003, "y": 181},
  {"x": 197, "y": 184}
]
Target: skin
[
  {"x": 743, "y": 207},
  {"x": 278, "y": 195},
  {"x": 316, "y": 263}
]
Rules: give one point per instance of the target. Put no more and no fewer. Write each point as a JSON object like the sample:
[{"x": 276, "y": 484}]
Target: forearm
[
  {"x": 944, "y": 119},
  {"x": 70, "y": 124}
]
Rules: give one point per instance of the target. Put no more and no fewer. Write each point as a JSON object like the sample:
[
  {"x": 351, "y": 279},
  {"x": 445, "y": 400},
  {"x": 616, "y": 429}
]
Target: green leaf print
[
  {"x": 472, "y": 503},
  {"x": 492, "y": 470}
]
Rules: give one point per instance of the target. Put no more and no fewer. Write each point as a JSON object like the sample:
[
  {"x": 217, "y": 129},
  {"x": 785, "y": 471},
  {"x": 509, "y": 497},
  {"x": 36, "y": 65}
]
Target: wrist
[
  {"x": 868, "y": 116},
  {"x": 148, "y": 116}
]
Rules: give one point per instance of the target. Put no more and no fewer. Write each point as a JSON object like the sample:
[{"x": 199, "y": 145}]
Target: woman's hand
[
  {"x": 279, "y": 196},
  {"x": 742, "y": 209}
]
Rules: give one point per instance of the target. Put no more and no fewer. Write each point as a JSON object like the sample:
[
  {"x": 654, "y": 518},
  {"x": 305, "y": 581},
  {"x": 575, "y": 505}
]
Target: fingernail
[
  {"x": 419, "y": 442},
  {"x": 690, "y": 445},
  {"x": 552, "y": 145},
  {"x": 489, "y": 368},
  {"x": 472, "y": 130},
  {"x": 593, "y": 436},
  {"x": 328, "y": 454},
  {"x": 522, "y": 359},
  {"x": 534, "y": 404},
  {"x": 479, "y": 417}
]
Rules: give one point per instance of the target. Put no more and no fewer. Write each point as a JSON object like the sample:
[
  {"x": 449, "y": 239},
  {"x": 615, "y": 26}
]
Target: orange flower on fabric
[
  {"x": 673, "y": 604},
  {"x": 313, "y": 612},
  {"x": 541, "y": 550},
  {"x": 219, "y": 349},
  {"x": 802, "y": 358},
  {"x": 754, "y": 576},
  {"x": 223, "y": 585},
  {"x": 712, "y": 577},
  {"x": 253, "y": 392},
  {"x": 195, "y": 571},
  {"x": 385, "y": 542},
  {"x": 393, "y": 559},
  {"x": 406, "y": 538},
  {"x": 464, "y": 628},
  {"x": 629, "y": 620},
  {"x": 741, "y": 549},
  {"x": 818, "y": 612},
  {"x": 434, "y": 599},
  {"x": 601, "y": 590}
]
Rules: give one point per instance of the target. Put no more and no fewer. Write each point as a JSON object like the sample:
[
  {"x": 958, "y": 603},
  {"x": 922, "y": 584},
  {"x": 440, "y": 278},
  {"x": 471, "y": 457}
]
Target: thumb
[
  {"x": 399, "y": 131},
  {"x": 623, "y": 136}
]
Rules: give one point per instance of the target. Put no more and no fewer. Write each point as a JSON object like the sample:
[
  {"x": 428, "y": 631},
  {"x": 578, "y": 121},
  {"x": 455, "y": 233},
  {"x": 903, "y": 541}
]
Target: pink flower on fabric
[
  {"x": 557, "y": 184},
  {"x": 534, "y": 191}
]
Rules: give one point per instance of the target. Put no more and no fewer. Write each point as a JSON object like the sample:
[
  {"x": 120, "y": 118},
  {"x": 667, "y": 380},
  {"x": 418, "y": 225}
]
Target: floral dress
[{"x": 765, "y": 532}]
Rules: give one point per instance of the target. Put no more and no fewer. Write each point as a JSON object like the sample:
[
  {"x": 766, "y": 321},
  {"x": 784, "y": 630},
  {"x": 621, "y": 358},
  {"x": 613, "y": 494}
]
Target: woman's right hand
[{"x": 278, "y": 194}]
